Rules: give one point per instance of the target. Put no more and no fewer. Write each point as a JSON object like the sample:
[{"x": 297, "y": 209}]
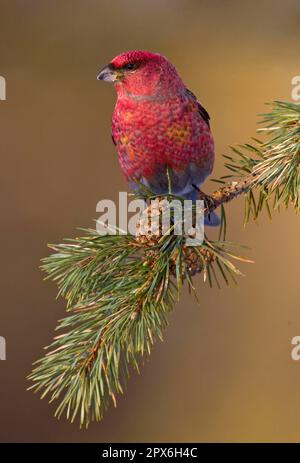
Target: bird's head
[{"x": 141, "y": 74}]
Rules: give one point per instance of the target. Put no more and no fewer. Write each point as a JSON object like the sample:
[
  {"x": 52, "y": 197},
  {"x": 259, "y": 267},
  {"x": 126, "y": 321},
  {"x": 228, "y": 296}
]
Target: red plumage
[{"x": 158, "y": 123}]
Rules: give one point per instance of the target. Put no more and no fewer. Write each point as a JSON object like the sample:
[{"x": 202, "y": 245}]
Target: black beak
[{"x": 108, "y": 74}]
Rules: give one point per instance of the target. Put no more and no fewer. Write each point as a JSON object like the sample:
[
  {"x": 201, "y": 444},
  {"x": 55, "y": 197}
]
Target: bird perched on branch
[{"x": 158, "y": 125}]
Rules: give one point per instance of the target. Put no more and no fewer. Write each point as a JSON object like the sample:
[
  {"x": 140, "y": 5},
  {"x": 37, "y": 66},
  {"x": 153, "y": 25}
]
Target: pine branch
[
  {"x": 274, "y": 164},
  {"x": 118, "y": 306},
  {"x": 119, "y": 289}
]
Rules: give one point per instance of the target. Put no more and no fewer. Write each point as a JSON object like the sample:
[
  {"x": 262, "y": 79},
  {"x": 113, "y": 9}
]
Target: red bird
[{"x": 158, "y": 124}]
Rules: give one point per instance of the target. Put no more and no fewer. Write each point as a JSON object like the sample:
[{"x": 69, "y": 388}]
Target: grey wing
[
  {"x": 197, "y": 175},
  {"x": 202, "y": 111}
]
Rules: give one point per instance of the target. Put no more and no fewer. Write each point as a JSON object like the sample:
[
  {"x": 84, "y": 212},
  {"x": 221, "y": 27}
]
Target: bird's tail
[{"x": 211, "y": 220}]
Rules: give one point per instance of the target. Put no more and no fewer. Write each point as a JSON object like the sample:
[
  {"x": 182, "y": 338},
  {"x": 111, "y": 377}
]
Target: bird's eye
[{"x": 131, "y": 66}]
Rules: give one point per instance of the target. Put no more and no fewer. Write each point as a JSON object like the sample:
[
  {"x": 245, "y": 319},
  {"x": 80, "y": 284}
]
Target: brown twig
[{"x": 227, "y": 192}]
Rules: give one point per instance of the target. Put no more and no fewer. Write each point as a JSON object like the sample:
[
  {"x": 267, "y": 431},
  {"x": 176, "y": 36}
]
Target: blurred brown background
[{"x": 224, "y": 372}]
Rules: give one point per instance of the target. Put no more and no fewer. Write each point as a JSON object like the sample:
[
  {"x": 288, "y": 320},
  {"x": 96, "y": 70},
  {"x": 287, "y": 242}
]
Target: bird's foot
[{"x": 208, "y": 200}]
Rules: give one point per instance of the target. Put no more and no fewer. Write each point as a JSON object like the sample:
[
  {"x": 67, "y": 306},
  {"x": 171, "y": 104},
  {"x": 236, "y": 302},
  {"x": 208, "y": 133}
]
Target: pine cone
[
  {"x": 149, "y": 227},
  {"x": 193, "y": 259},
  {"x": 149, "y": 232}
]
